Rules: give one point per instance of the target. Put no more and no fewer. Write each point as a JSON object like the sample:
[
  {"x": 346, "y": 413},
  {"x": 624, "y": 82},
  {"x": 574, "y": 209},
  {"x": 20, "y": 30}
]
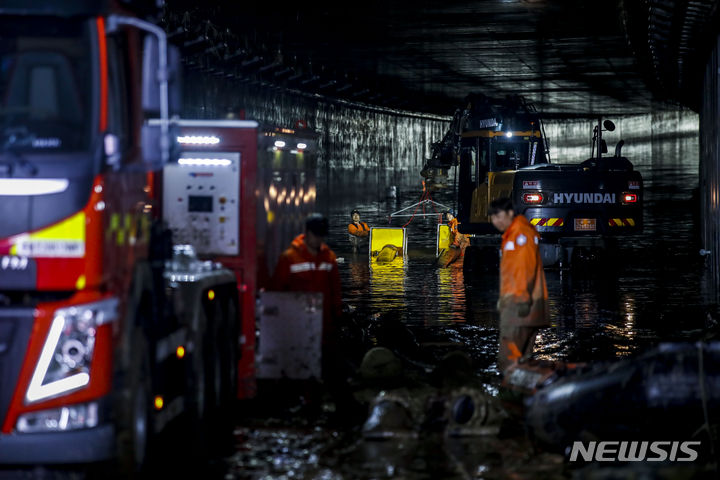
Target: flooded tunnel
[{"x": 182, "y": 293}]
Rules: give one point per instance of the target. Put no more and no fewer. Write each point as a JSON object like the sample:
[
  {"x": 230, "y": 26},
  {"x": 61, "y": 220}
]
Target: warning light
[
  {"x": 180, "y": 351},
  {"x": 532, "y": 198},
  {"x": 629, "y": 198},
  {"x": 159, "y": 402},
  {"x": 211, "y": 295}
]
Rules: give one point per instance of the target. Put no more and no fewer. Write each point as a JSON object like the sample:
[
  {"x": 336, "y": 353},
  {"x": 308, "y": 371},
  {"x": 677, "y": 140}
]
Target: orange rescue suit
[
  {"x": 458, "y": 239},
  {"x": 453, "y": 226},
  {"x": 298, "y": 270},
  {"x": 522, "y": 280},
  {"x": 360, "y": 229}
]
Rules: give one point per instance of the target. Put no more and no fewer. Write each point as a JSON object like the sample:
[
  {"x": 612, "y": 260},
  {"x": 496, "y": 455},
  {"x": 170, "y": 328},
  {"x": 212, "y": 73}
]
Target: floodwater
[
  {"x": 650, "y": 288},
  {"x": 615, "y": 304}
]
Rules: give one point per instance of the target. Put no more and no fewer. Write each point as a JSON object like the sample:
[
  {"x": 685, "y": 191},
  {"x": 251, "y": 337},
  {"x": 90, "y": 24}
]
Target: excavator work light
[
  {"x": 629, "y": 198},
  {"x": 532, "y": 198}
]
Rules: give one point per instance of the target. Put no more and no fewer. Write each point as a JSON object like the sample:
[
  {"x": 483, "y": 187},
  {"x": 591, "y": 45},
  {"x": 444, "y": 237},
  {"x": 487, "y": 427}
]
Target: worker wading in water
[
  {"x": 523, "y": 292},
  {"x": 458, "y": 242},
  {"x": 358, "y": 232},
  {"x": 309, "y": 265}
]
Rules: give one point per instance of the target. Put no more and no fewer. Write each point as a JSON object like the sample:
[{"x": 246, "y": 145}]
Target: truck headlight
[{"x": 64, "y": 363}]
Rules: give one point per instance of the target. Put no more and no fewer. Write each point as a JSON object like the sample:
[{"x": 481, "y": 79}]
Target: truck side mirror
[
  {"x": 604, "y": 146},
  {"x": 152, "y": 76},
  {"x": 150, "y": 138}
]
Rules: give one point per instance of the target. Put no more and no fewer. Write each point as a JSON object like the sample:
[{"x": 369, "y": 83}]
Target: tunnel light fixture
[
  {"x": 509, "y": 134},
  {"x": 205, "y": 162},
  {"x": 301, "y": 146},
  {"x": 198, "y": 140},
  {"x": 279, "y": 143}
]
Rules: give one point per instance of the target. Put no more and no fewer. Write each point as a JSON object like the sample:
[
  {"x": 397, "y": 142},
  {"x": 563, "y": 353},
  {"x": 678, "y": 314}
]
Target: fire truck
[{"x": 127, "y": 276}]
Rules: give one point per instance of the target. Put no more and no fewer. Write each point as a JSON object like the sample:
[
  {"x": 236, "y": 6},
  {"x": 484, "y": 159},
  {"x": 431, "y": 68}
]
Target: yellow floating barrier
[{"x": 443, "y": 238}]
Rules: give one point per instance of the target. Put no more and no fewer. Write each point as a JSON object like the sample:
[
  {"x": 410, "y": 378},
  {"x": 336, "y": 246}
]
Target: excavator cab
[
  {"x": 488, "y": 140},
  {"x": 488, "y": 162}
]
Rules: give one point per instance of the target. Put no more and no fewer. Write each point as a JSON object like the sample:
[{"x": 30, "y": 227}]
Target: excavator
[
  {"x": 488, "y": 140},
  {"x": 500, "y": 149}
]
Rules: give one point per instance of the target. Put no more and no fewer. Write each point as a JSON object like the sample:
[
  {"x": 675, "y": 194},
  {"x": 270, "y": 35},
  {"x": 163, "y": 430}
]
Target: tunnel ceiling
[{"x": 568, "y": 57}]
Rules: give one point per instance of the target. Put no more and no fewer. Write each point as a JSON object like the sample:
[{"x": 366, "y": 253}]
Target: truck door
[
  {"x": 479, "y": 203},
  {"x": 497, "y": 162},
  {"x": 506, "y": 156}
]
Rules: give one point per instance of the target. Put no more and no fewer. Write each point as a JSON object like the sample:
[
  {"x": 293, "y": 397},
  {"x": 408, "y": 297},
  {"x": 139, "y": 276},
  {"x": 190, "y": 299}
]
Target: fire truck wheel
[
  {"x": 226, "y": 373},
  {"x": 134, "y": 426},
  {"x": 198, "y": 433},
  {"x": 231, "y": 357},
  {"x": 207, "y": 383},
  {"x": 215, "y": 358}
]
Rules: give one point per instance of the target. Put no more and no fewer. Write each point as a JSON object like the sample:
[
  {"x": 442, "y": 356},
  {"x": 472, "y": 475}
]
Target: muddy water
[{"x": 649, "y": 289}]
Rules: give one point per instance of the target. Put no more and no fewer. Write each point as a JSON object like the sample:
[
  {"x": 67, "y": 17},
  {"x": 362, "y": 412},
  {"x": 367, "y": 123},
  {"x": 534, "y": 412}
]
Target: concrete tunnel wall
[
  {"x": 357, "y": 145},
  {"x": 571, "y": 140}
]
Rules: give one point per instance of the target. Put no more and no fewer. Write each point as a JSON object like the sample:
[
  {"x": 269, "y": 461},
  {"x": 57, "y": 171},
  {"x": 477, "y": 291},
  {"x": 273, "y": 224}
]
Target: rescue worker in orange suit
[
  {"x": 358, "y": 232},
  {"x": 458, "y": 243},
  {"x": 458, "y": 240},
  {"x": 310, "y": 266},
  {"x": 523, "y": 292}
]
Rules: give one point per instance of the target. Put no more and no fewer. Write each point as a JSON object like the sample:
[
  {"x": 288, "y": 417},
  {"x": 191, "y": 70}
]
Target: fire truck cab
[{"x": 108, "y": 330}]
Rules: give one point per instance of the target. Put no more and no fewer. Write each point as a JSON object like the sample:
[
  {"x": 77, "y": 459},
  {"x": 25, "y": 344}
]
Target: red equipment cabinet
[{"x": 239, "y": 193}]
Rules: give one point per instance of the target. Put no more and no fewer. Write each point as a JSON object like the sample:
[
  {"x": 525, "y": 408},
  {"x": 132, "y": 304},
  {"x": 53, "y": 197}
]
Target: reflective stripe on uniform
[
  {"x": 310, "y": 266},
  {"x": 302, "y": 267},
  {"x": 510, "y": 245}
]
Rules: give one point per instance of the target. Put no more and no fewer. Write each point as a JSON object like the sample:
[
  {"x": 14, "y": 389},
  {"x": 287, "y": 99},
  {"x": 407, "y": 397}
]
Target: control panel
[{"x": 201, "y": 201}]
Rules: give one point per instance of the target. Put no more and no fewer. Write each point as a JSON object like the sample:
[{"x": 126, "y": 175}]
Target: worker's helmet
[
  {"x": 317, "y": 224},
  {"x": 355, "y": 210}
]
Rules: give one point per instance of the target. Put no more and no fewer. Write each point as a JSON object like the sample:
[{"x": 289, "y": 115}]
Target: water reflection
[
  {"x": 451, "y": 291},
  {"x": 387, "y": 284}
]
